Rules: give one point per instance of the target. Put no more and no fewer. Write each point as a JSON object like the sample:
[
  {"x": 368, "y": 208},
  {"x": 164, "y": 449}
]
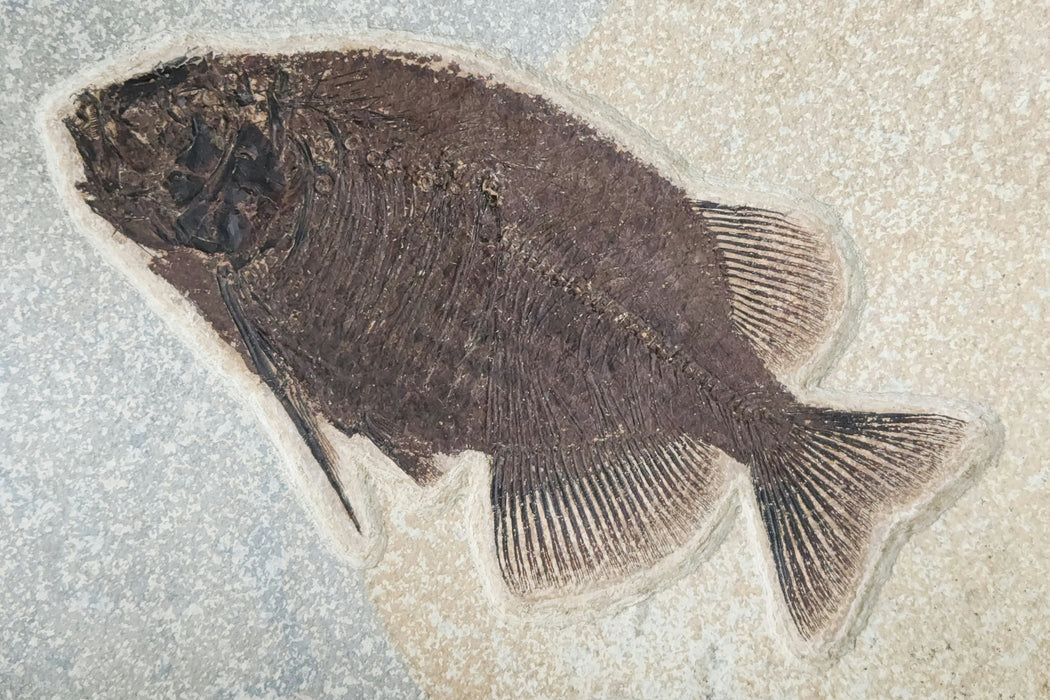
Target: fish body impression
[{"x": 442, "y": 262}]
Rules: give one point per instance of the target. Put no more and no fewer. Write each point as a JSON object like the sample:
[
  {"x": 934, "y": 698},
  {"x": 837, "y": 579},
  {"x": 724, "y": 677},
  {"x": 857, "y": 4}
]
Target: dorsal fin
[{"x": 786, "y": 283}]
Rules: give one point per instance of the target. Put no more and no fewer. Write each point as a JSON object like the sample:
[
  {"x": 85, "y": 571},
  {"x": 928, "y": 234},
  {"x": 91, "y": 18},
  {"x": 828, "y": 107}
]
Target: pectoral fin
[{"x": 273, "y": 370}]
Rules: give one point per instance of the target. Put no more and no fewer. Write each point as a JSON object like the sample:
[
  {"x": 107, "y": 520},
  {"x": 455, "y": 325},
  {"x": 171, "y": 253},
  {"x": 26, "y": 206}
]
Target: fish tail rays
[{"x": 835, "y": 499}]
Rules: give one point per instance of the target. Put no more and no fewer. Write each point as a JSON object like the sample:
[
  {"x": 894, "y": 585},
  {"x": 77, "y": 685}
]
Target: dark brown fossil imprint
[{"x": 442, "y": 263}]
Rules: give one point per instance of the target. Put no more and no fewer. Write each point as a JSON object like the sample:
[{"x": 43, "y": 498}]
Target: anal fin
[{"x": 571, "y": 517}]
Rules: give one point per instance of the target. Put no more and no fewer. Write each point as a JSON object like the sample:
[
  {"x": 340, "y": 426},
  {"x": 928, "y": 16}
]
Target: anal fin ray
[{"x": 574, "y": 516}]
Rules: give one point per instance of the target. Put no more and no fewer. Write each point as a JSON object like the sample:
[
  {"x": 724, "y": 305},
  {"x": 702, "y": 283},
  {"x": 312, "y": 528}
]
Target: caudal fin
[{"x": 834, "y": 493}]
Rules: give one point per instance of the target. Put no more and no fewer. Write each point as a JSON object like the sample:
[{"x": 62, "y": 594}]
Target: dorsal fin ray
[{"x": 786, "y": 282}]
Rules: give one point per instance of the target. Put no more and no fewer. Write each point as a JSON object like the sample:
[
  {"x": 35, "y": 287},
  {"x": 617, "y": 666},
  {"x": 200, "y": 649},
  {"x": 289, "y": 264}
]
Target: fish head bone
[{"x": 180, "y": 157}]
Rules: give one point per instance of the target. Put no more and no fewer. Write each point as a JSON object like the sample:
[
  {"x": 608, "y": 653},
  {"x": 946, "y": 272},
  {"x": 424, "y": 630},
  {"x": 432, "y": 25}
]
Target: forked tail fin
[{"x": 837, "y": 489}]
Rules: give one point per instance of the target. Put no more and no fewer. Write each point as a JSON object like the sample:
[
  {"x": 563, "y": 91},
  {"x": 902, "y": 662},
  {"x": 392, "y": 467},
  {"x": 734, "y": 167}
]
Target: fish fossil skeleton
[{"x": 441, "y": 262}]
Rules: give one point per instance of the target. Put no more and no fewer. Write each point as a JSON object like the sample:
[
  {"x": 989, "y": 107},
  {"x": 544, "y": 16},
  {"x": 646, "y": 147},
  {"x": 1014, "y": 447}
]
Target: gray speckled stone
[{"x": 149, "y": 543}]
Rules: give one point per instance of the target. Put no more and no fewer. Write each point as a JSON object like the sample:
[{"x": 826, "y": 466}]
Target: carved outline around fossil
[{"x": 317, "y": 497}]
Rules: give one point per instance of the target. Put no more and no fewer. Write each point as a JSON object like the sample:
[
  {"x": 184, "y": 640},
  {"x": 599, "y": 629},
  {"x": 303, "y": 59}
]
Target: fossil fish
[{"x": 441, "y": 262}]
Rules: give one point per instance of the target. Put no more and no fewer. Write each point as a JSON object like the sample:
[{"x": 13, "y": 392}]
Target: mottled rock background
[{"x": 150, "y": 543}]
